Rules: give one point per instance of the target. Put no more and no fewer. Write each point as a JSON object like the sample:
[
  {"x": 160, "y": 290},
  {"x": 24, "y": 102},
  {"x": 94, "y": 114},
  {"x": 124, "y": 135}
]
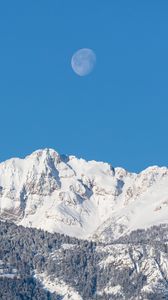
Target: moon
[{"x": 83, "y": 61}]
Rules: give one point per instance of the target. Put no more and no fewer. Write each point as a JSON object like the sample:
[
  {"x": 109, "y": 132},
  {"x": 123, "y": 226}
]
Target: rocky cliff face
[{"x": 86, "y": 199}]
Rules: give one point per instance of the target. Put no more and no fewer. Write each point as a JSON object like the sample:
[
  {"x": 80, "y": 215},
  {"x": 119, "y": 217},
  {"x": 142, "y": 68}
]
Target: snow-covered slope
[
  {"x": 55, "y": 285},
  {"x": 81, "y": 198}
]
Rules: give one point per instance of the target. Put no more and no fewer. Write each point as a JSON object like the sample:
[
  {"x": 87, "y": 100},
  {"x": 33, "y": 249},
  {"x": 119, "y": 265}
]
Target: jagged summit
[{"x": 81, "y": 198}]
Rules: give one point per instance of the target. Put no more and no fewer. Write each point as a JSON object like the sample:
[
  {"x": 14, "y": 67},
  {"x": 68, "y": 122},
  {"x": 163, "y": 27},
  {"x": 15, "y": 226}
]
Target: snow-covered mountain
[{"x": 85, "y": 199}]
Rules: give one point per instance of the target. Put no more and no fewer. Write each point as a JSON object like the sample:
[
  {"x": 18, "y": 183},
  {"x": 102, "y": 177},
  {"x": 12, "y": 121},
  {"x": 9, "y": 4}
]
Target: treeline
[{"x": 151, "y": 235}]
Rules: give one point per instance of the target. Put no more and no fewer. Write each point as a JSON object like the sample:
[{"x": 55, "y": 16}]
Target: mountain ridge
[{"x": 85, "y": 199}]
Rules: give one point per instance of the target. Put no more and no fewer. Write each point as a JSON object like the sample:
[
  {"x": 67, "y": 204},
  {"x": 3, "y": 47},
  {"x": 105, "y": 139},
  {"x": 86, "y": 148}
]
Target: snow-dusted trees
[{"x": 78, "y": 263}]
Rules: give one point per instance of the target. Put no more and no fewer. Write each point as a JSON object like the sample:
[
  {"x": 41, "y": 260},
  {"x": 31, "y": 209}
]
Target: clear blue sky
[{"x": 119, "y": 113}]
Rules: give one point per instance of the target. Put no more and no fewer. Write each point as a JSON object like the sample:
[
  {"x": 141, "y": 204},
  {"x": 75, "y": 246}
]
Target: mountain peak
[
  {"x": 81, "y": 198},
  {"x": 44, "y": 154}
]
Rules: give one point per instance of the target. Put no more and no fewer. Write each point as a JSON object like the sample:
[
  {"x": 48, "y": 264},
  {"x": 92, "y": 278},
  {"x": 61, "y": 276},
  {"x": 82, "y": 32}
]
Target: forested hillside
[{"x": 131, "y": 267}]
